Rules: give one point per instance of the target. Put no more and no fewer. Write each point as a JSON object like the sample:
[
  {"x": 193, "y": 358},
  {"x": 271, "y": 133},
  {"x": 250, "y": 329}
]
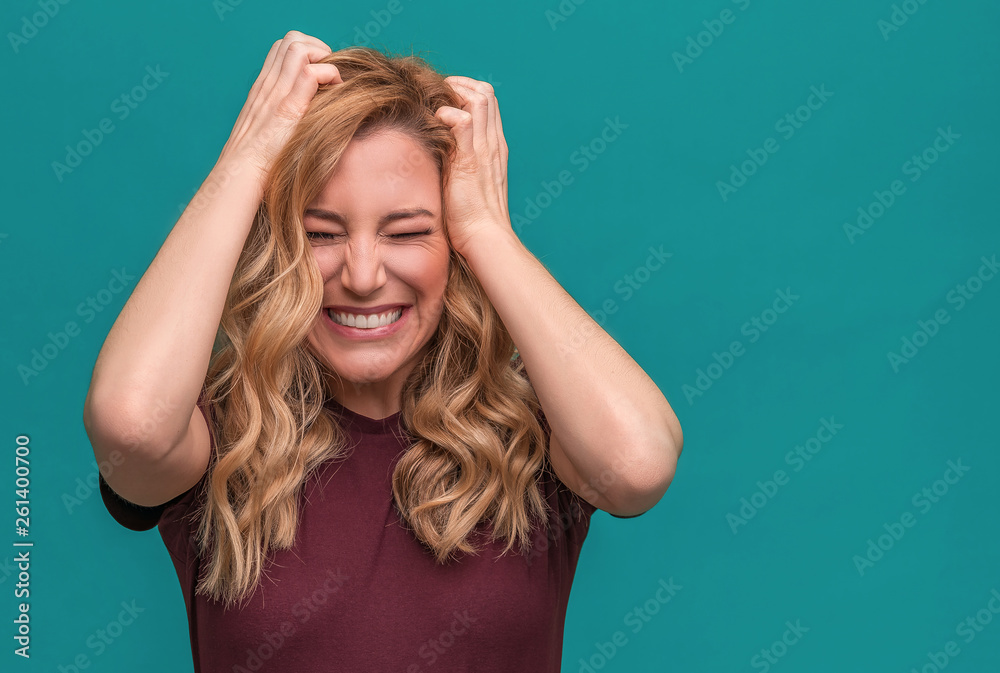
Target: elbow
[
  {"x": 118, "y": 424},
  {"x": 647, "y": 482}
]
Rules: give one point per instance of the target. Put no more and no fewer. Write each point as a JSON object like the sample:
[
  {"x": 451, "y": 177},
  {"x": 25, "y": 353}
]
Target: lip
[{"x": 356, "y": 334}]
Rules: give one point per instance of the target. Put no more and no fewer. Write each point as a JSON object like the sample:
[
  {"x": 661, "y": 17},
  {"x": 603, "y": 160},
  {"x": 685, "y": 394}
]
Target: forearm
[
  {"x": 597, "y": 399},
  {"x": 156, "y": 354}
]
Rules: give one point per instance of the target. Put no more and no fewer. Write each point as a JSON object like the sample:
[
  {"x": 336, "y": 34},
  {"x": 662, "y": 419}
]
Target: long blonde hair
[{"x": 478, "y": 447}]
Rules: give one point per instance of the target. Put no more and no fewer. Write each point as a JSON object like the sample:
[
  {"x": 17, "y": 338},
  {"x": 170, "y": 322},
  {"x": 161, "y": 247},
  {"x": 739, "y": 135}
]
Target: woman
[{"x": 362, "y": 462}]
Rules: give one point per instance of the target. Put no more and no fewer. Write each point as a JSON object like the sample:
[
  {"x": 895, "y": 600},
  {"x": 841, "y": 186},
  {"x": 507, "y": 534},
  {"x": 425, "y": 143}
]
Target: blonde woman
[{"x": 314, "y": 390}]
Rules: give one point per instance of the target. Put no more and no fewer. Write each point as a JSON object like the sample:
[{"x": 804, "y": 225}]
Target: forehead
[{"x": 382, "y": 172}]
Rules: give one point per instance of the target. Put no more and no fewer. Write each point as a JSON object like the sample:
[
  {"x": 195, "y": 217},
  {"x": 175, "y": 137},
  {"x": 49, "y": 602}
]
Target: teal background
[{"x": 654, "y": 185}]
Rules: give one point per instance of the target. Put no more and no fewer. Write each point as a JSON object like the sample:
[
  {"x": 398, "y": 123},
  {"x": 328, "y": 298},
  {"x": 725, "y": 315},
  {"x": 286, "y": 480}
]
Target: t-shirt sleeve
[{"x": 137, "y": 517}]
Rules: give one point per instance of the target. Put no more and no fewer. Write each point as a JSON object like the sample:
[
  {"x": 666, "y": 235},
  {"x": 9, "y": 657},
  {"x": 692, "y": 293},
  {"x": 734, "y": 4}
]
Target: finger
[
  {"x": 494, "y": 118},
  {"x": 297, "y": 56},
  {"x": 278, "y": 50},
  {"x": 316, "y": 50},
  {"x": 326, "y": 73},
  {"x": 502, "y": 145},
  {"x": 469, "y": 83},
  {"x": 501, "y": 139},
  {"x": 497, "y": 171},
  {"x": 499, "y": 144},
  {"x": 309, "y": 38},
  {"x": 478, "y": 104},
  {"x": 266, "y": 68},
  {"x": 493, "y": 155},
  {"x": 308, "y": 81}
]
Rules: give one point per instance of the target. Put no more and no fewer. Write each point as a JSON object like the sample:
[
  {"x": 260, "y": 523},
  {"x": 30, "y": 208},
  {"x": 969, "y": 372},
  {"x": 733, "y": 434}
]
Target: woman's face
[{"x": 379, "y": 242}]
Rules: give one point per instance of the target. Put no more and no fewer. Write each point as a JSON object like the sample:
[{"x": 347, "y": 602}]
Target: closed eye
[
  {"x": 330, "y": 236},
  {"x": 321, "y": 234},
  {"x": 411, "y": 233}
]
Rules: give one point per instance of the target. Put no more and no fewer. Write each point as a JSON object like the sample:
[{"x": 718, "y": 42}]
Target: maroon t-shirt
[{"x": 358, "y": 592}]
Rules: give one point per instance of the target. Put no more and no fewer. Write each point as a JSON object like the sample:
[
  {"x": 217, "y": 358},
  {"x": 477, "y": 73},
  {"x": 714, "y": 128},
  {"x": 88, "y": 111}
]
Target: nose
[{"x": 363, "y": 271}]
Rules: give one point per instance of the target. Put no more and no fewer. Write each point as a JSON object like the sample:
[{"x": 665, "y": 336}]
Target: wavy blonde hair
[{"x": 478, "y": 446}]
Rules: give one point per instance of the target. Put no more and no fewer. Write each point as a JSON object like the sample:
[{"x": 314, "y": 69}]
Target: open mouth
[{"x": 365, "y": 322}]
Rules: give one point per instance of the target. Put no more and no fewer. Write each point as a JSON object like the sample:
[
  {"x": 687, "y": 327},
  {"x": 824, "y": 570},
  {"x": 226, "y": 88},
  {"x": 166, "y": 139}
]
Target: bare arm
[
  {"x": 140, "y": 411},
  {"x": 615, "y": 440}
]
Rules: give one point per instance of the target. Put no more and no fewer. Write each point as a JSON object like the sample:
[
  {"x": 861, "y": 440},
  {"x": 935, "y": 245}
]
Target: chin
[
  {"x": 359, "y": 367},
  {"x": 362, "y": 373}
]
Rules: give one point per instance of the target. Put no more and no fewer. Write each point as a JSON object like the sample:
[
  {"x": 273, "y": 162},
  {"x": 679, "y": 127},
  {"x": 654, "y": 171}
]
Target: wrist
[
  {"x": 234, "y": 185},
  {"x": 488, "y": 243},
  {"x": 238, "y": 169}
]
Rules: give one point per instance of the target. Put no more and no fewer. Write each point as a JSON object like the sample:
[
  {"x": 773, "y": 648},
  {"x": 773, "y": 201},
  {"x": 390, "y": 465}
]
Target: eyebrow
[{"x": 332, "y": 216}]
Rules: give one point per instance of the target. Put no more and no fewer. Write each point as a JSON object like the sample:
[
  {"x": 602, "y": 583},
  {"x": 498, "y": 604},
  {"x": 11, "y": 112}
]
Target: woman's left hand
[{"x": 476, "y": 189}]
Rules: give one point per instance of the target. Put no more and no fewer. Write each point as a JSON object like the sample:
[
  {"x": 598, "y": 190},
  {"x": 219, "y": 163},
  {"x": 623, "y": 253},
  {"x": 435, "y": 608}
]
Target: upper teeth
[{"x": 366, "y": 321}]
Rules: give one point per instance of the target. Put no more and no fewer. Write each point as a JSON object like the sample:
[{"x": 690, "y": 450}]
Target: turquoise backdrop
[{"x": 784, "y": 211}]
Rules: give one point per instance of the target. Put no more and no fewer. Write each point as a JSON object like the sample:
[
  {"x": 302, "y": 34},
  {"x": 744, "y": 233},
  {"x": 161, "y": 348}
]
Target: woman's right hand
[{"x": 278, "y": 98}]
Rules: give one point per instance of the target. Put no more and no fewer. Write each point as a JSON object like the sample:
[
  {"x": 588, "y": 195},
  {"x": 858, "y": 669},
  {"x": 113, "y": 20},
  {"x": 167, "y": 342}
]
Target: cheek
[{"x": 327, "y": 261}]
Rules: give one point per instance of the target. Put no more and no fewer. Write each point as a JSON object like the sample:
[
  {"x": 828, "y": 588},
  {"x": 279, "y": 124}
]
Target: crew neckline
[{"x": 365, "y": 423}]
